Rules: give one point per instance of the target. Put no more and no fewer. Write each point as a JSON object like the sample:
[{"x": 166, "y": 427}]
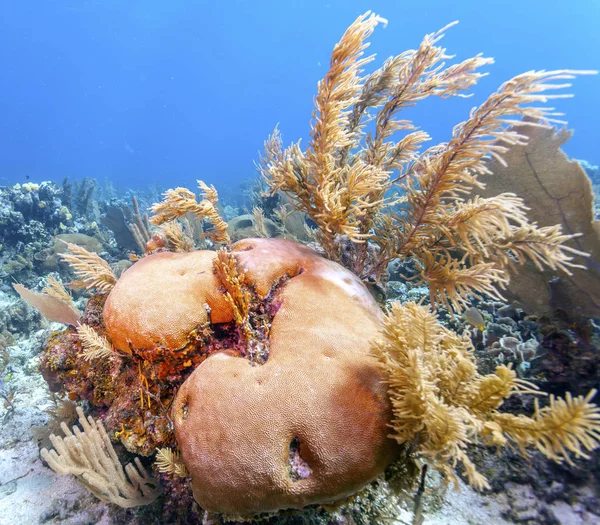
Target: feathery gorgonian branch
[
  {"x": 451, "y": 281},
  {"x": 343, "y": 184},
  {"x": 56, "y": 289},
  {"x": 336, "y": 94},
  {"x": 91, "y": 269},
  {"x": 474, "y": 224},
  {"x": 566, "y": 427},
  {"x": 170, "y": 462},
  {"x": 544, "y": 246},
  {"x": 444, "y": 174},
  {"x": 94, "y": 345},
  {"x": 259, "y": 222},
  {"x": 441, "y": 403},
  {"x": 273, "y": 154},
  {"x": 421, "y": 73},
  {"x": 178, "y": 240},
  {"x": 179, "y": 201}
]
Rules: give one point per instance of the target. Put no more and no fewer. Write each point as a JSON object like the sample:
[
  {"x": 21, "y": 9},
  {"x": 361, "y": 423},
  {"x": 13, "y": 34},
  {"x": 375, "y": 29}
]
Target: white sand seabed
[{"x": 28, "y": 489}]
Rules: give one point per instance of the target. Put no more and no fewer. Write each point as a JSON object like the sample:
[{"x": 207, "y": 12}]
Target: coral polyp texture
[
  {"x": 162, "y": 298},
  {"x": 310, "y": 424},
  {"x": 262, "y": 437},
  {"x": 267, "y": 345}
]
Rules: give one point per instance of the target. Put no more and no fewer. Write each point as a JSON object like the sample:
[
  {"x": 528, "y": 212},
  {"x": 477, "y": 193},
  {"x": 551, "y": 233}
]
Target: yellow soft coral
[
  {"x": 179, "y": 201},
  {"x": 442, "y": 404}
]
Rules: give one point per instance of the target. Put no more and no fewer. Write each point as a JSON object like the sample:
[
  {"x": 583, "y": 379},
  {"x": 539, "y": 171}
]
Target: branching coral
[
  {"x": 441, "y": 404},
  {"x": 346, "y": 179},
  {"x": 88, "y": 454},
  {"x": 139, "y": 225}
]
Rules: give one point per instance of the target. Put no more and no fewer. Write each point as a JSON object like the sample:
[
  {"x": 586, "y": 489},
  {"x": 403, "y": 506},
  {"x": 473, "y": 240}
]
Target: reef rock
[{"x": 310, "y": 424}]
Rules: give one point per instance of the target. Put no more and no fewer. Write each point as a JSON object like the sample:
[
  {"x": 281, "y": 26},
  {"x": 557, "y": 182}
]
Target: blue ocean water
[{"x": 149, "y": 91}]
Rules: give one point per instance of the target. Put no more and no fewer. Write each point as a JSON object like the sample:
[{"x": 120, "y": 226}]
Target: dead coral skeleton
[
  {"x": 441, "y": 403},
  {"x": 89, "y": 455},
  {"x": 379, "y": 188}
]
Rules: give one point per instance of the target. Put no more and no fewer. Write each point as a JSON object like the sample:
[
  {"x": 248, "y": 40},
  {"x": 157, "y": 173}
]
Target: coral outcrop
[
  {"x": 162, "y": 299},
  {"x": 310, "y": 424},
  {"x": 268, "y": 349},
  {"x": 269, "y": 373},
  {"x": 31, "y": 212}
]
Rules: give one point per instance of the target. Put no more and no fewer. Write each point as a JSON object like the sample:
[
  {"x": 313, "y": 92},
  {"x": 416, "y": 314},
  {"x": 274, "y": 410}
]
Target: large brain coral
[
  {"x": 162, "y": 298},
  {"x": 309, "y": 424}
]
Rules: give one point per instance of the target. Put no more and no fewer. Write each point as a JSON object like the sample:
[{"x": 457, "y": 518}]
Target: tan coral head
[
  {"x": 162, "y": 298},
  {"x": 309, "y": 425}
]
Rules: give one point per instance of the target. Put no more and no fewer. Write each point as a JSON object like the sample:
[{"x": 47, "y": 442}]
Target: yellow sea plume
[
  {"x": 170, "y": 462},
  {"x": 93, "y": 270},
  {"x": 56, "y": 289},
  {"x": 373, "y": 183},
  {"x": 179, "y": 239},
  {"x": 442, "y": 404},
  {"x": 94, "y": 345},
  {"x": 179, "y": 201},
  {"x": 236, "y": 289}
]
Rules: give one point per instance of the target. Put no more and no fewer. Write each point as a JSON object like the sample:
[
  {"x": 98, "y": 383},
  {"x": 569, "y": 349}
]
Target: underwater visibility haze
[{"x": 327, "y": 263}]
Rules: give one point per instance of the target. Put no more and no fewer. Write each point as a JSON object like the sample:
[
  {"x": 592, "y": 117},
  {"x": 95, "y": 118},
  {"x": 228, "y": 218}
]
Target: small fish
[{"x": 474, "y": 317}]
